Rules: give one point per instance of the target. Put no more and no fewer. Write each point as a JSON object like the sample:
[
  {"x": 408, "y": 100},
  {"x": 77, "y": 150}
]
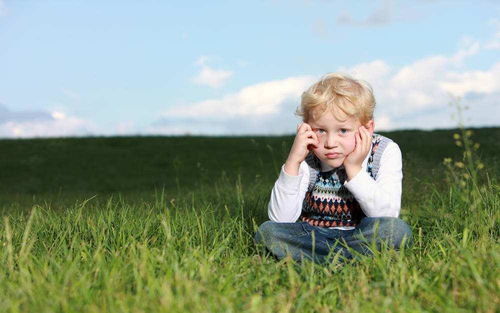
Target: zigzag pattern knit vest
[{"x": 328, "y": 203}]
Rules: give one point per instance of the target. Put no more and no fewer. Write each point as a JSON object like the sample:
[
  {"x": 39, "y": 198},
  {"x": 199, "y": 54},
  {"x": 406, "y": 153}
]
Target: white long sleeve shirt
[{"x": 377, "y": 198}]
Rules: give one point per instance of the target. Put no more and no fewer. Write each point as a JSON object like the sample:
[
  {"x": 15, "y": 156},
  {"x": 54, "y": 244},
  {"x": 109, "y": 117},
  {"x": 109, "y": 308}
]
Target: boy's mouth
[{"x": 332, "y": 155}]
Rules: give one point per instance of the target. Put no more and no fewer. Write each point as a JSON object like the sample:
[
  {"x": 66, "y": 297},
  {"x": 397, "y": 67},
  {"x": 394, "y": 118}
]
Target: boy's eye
[
  {"x": 343, "y": 131},
  {"x": 319, "y": 131}
]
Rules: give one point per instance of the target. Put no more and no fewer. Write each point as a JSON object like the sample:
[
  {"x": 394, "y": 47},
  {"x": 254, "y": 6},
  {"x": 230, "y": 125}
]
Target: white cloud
[
  {"x": 58, "y": 115},
  {"x": 256, "y": 100},
  {"x": 415, "y": 95},
  {"x": 484, "y": 82},
  {"x": 383, "y": 122},
  {"x": 371, "y": 72},
  {"x": 209, "y": 76},
  {"x": 27, "y": 124}
]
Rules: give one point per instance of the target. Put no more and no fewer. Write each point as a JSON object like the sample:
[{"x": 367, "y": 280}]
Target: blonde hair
[{"x": 340, "y": 94}]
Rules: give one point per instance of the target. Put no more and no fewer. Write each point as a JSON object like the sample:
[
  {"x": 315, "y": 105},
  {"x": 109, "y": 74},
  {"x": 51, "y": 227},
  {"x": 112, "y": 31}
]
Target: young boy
[{"x": 340, "y": 187}]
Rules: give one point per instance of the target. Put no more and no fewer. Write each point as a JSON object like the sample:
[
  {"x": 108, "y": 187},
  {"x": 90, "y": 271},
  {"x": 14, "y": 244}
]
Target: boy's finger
[
  {"x": 310, "y": 134},
  {"x": 311, "y": 143},
  {"x": 304, "y": 127},
  {"x": 362, "y": 131},
  {"x": 316, "y": 137},
  {"x": 363, "y": 134},
  {"x": 367, "y": 132},
  {"x": 299, "y": 126},
  {"x": 359, "y": 140},
  {"x": 367, "y": 138}
]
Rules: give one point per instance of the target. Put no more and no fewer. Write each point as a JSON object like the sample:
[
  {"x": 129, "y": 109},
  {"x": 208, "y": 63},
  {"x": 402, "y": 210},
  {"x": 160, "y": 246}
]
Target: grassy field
[{"x": 159, "y": 224}]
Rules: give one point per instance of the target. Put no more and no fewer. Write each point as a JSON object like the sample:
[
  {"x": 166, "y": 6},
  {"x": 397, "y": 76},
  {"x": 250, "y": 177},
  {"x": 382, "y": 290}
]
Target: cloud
[
  {"x": 481, "y": 82},
  {"x": 382, "y": 15},
  {"x": 27, "y": 124},
  {"x": 264, "y": 108},
  {"x": 256, "y": 100},
  {"x": 209, "y": 76},
  {"x": 22, "y": 116},
  {"x": 415, "y": 95}
]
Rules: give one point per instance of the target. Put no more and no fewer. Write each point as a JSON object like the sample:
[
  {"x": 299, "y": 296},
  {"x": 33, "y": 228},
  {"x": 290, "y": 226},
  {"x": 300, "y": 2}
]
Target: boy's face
[{"x": 336, "y": 138}]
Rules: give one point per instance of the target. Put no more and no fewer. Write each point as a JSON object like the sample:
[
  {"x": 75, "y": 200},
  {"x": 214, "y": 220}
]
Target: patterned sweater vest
[{"x": 328, "y": 203}]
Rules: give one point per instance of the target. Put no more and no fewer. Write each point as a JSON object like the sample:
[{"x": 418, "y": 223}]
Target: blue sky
[{"x": 77, "y": 68}]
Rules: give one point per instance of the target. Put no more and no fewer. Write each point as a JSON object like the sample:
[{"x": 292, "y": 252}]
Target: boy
[{"x": 340, "y": 187}]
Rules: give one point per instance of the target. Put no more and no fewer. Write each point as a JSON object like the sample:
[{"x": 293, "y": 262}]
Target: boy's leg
[
  {"x": 391, "y": 231},
  {"x": 299, "y": 240}
]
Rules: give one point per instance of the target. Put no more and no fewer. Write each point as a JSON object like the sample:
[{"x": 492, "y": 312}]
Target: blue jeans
[{"x": 301, "y": 240}]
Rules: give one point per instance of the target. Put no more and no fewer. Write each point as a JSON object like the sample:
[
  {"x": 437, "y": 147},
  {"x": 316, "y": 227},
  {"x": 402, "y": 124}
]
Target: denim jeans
[{"x": 301, "y": 240}]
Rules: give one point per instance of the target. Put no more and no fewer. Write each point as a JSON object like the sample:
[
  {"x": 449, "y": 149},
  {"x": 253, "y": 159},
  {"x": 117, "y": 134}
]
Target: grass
[{"x": 166, "y": 225}]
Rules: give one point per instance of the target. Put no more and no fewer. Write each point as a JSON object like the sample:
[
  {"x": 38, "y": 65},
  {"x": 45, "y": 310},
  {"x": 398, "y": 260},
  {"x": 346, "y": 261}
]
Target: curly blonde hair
[{"x": 340, "y": 94}]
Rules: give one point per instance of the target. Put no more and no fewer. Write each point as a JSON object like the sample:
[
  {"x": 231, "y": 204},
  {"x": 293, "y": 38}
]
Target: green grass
[{"x": 157, "y": 224}]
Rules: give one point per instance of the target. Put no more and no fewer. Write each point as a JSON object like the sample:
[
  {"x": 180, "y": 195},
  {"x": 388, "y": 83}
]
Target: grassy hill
[
  {"x": 165, "y": 224},
  {"x": 124, "y": 164}
]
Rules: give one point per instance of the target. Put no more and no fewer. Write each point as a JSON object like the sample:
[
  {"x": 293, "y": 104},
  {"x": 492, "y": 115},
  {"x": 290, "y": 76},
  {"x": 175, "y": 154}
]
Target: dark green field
[
  {"x": 165, "y": 224},
  {"x": 140, "y": 165}
]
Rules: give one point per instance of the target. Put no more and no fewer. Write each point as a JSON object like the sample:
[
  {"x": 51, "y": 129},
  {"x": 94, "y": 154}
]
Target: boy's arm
[
  {"x": 381, "y": 197},
  {"x": 288, "y": 194}
]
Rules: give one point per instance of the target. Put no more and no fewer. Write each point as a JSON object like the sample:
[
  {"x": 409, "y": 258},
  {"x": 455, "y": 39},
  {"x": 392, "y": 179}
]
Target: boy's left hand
[{"x": 354, "y": 160}]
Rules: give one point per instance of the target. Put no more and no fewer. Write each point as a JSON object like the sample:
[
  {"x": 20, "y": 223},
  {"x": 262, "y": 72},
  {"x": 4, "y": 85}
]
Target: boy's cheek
[
  {"x": 318, "y": 152},
  {"x": 350, "y": 146}
]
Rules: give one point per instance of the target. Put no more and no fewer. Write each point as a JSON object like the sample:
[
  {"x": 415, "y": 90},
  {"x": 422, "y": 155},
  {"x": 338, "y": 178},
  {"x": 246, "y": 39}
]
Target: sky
[{"x": 113, "y": 68}]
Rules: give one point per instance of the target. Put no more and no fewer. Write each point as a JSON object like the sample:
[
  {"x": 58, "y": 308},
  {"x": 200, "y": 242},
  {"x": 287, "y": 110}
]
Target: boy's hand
[
  {"x": 354, "y": 160},
  {"x": 305, "y": 140}
]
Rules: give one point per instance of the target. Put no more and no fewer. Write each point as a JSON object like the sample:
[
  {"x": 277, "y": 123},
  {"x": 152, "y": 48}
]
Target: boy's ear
[{"x": 370, "y": 126}]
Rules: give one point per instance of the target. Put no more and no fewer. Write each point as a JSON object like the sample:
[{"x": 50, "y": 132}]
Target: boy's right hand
[{"x": 304, "y": 141}]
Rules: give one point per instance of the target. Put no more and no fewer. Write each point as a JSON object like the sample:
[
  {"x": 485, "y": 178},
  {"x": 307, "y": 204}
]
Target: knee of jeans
[
  {"x": 392, "y": 230},
  {"x": 403, "y": 233},
  {"x": 264, "y": 231},
  {"x": 400, "y": 233}
]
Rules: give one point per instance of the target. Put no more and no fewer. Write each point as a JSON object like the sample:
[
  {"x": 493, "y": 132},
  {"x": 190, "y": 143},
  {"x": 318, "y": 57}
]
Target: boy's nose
[{"x": 331, "y": 141}]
